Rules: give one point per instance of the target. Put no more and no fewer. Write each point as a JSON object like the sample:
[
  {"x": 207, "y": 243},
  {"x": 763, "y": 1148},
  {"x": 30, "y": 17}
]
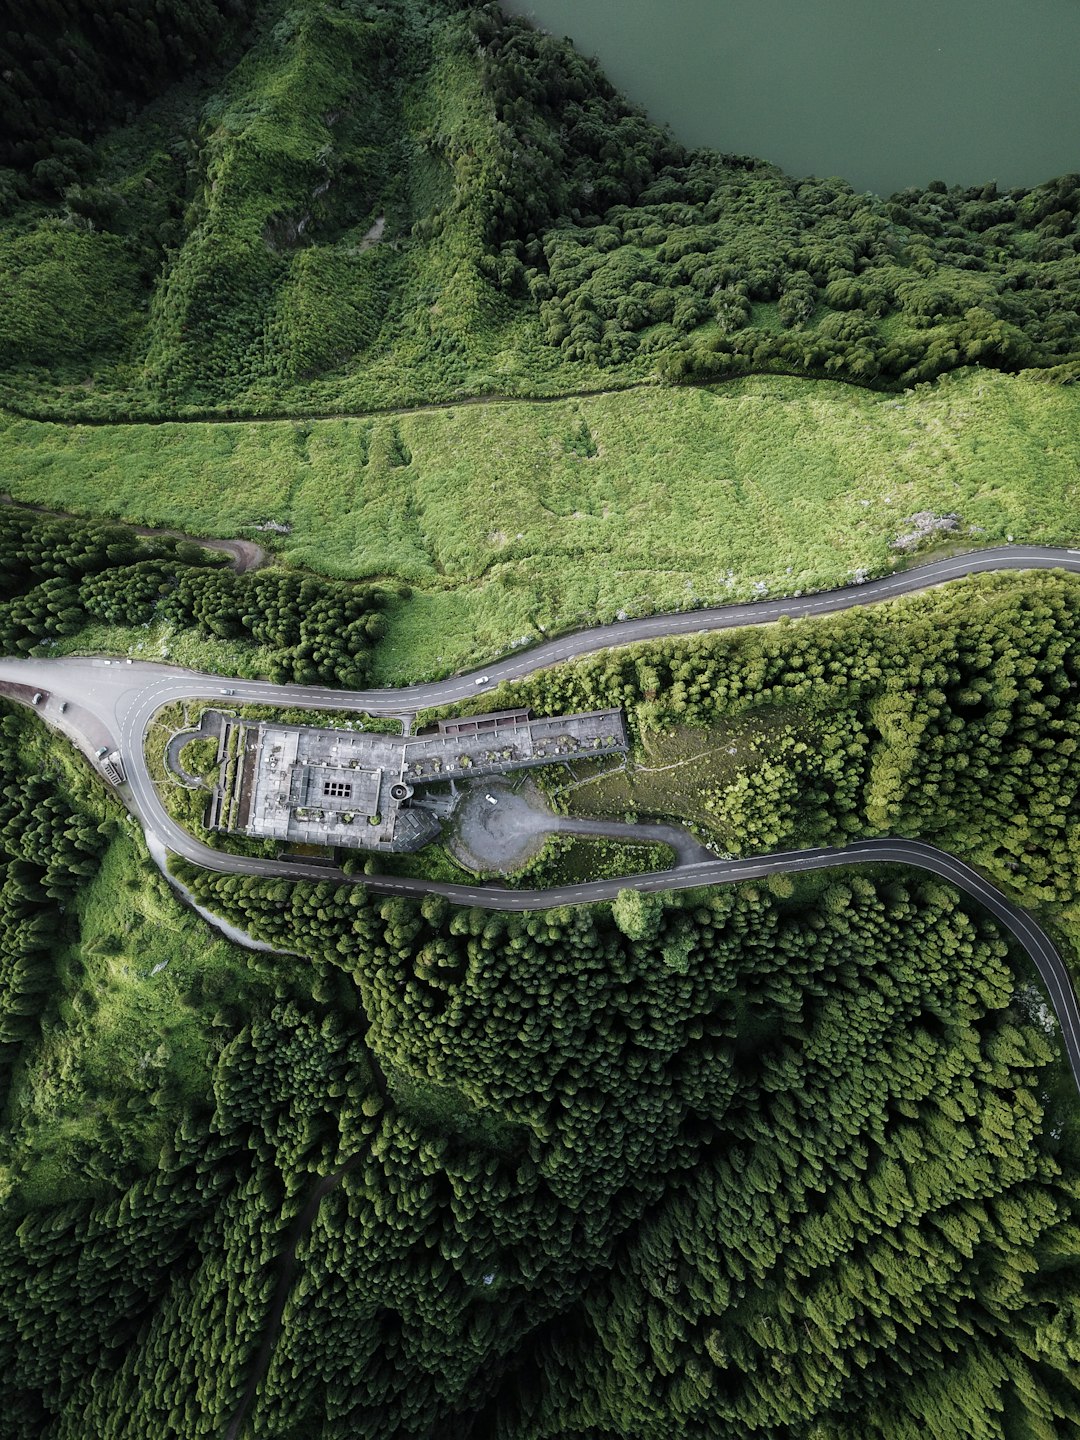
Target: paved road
[
  {"x": 118, "y": 699},
  {"x": 494, "y": 839}
]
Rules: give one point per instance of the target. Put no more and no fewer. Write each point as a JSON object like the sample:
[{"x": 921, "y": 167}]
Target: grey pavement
[
  {"x": 498, "y": 827},
  {"x": 177, "y": 743}
]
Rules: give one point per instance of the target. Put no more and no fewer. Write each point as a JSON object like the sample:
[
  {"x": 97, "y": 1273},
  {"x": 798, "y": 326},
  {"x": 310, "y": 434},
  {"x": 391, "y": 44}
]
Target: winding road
[{"x": 111, "y": 703}]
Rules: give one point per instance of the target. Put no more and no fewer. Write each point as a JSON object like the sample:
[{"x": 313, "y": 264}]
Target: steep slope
[
  {"x": 69, "y": 69},
  {"x": 383, "y": 202}
]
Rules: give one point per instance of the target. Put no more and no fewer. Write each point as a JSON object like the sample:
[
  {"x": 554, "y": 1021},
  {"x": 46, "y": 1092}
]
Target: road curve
[
  {"x": 887, "y": 851},
  {"x": 246, "y": 554},
  {"x": 117, "y": 700}
]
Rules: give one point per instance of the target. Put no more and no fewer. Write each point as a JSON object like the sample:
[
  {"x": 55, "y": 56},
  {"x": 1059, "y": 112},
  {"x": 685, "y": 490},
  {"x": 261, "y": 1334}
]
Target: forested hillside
[
  {"x": 951, "y": 716},
  {"x": 780, "y": 1166},
  {"x": 57, "y": 578},
  {"x": 797, "y": 1160},
  {"x": 785, "y": 1160},
  {"x": 68, "y": 69},
  {"x": 384, "y": 200}
]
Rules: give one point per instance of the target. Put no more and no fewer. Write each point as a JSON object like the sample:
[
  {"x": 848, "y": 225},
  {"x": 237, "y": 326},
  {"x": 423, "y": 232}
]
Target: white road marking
[{"x": 132, "y": 707}]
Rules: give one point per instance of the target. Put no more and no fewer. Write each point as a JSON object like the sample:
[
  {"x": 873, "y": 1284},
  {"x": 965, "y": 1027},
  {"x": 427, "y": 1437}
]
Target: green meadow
[{"x": 510, "y": 519}]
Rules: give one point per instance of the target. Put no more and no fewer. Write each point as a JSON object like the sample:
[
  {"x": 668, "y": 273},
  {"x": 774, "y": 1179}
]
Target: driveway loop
[{"x": 499, "y": 829}]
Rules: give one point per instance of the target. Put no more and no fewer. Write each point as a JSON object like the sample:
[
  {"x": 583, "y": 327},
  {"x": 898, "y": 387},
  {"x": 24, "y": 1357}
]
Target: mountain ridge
[{"x": 537, "y": 234}]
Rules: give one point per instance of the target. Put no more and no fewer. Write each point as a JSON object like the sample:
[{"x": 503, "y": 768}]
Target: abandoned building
[{"x": 308, "y": 786}]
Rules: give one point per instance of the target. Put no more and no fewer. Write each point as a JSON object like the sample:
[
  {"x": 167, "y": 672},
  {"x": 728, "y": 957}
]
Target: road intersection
[{"x": 112, "y": 702}]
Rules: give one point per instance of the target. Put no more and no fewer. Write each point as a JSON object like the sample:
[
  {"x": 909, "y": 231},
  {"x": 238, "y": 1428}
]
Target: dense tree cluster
[
  {"x": 56, "y": 576},
  {"x": 778, "y": 1163},
  {"x": 953, "y": 717},
  {"x": 140, "y": 1315},
  {"x": 798, "y": 1283},
  {"x": 69, "y": 68},
  {"x": 775, "y": 1167},
  {"x": 720, "y": 264},
  {"x": 46, "y": 848}
]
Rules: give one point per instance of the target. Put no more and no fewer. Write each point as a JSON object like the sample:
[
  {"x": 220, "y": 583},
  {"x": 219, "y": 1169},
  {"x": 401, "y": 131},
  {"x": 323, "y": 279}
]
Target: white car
[{"x": 481, "y": 680}]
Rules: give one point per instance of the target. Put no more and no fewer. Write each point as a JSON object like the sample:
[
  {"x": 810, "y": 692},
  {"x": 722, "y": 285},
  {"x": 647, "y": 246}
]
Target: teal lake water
[{"x": 885, "y": 95}]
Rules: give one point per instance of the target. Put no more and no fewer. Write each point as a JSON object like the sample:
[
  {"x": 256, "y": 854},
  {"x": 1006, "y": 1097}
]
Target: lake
[{"x": 885, "y": 95}]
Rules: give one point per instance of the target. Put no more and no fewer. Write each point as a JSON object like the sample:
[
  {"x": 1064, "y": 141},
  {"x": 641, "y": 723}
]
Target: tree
[{"x": 637, "y": 913}]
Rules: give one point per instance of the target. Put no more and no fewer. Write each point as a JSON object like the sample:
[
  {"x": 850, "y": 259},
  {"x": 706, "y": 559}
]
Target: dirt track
[{"x": 246, "y": 554}]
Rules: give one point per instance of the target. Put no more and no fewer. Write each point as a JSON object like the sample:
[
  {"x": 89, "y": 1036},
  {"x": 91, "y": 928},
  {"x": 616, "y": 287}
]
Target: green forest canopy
[
  {"x": 781, "y": 1167},
  {"x": 793, "y": 1163},
  {"x": 786, "y": 1161}
]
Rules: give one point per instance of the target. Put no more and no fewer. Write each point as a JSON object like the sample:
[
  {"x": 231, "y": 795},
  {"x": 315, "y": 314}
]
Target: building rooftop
[{"x": 303, "y": 785}]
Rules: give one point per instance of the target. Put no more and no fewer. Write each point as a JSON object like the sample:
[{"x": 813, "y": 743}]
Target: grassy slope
[
  {"x": 123, "y": 1051},
  {"x": 381, "y": 203},
  {"x": 508, "y": 517},
  {"x": 235, "y": 266}
]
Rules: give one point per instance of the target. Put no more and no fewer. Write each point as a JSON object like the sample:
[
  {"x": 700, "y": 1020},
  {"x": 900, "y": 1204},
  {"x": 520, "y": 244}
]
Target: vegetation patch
[
  {"x": 199, "y": 758},
  {"x": 127, "y": 1043},
  {"x": 576, "y": 859},
  {"x": 928, "y": 716},
  {"x": 61, "y": 576},
  {"x": 377, "y": 204},
  {"x": 785, "y": 1050},
  {"x": 693, "y": 497},
  {"x": 677, "y": 771},
  {"x": 187, "y": 806},
  {"x": 433, "y": 862},
  {"x": 793, "y": 1159},
  {"x": 322, "y": 719}
]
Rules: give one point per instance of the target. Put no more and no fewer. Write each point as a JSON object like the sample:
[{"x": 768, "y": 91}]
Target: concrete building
[{"x": 308, "y": 786}]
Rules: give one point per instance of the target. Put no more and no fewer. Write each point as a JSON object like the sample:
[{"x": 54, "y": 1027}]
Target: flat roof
[{"x": 334, "y": 788}]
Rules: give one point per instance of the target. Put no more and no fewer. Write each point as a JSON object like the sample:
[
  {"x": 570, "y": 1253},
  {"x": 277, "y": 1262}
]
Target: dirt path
[
  {"x": 246, "y": 554},
  {"x": 213, "y": 417},
  {"x": 374, "y": 234},
  {"x": 209, "y": 728},
  {"x": 277, "y": 416}
]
